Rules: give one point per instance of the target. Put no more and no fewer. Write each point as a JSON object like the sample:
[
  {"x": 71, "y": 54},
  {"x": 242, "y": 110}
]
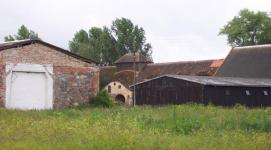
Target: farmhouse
[
  {"x": 226, "y": 91},
  {"x": 38, "y": 75}
]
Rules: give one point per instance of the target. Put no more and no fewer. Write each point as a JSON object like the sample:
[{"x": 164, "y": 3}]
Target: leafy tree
[
  {"x": 97, "y": 44},
  {"x": 106, "y": 45},
  {"x": 248, "y": 28},
  {"x": 23, "y": 33},
  {"x": 130, "y": 37}
]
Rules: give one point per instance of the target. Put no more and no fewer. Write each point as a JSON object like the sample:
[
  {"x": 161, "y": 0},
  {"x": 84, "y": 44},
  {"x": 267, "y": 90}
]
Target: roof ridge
[
  {"x": 252, "y": 46},
  {"x": 14, "y": 41},
  {"x": 31, "y": 41},
  {"x": 176, "y": 62}
]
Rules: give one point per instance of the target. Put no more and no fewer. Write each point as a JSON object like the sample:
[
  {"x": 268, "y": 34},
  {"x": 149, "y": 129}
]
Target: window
[
  {"x": 247, "y": 92},
  {"x": 109, "y": 89},
  {"x": 265, "y": 93},
  {"x": 227, "y": 92},
  {"x": 119, "y": 86}
]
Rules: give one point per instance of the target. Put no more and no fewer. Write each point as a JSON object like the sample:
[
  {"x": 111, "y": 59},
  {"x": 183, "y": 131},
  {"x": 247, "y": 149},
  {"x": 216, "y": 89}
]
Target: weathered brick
[{"x": 75, "y": 82}]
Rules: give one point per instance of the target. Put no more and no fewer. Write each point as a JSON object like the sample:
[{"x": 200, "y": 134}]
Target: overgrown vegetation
[
  {"x": 145, "y": 127},
  {"x": 103, "y": 99}
]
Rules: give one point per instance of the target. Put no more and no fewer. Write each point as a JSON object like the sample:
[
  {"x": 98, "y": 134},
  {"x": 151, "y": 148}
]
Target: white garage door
[
  {"x": 28, "y": 90},
  {"x": 28, "y": 87}
]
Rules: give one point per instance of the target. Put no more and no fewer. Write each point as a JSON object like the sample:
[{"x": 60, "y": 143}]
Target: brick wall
[{"x": 75, "y": 81}]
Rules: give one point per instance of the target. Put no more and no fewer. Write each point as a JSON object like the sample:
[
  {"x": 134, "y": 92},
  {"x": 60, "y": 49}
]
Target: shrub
[{"x": 103, "y": 99}]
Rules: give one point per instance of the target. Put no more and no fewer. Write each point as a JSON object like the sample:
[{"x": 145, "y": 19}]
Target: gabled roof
[
  {"x": 19, "y": 43},
  {"x": 203, "y": 68},
  {"x": 248, "y": 61},
  {"x": 220, "y": 81},
  {"x": 129, "y": 58}
]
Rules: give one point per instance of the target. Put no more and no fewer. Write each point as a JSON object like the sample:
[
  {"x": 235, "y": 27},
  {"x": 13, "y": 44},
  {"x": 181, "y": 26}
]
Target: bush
[{"x": 103, "y": 99}]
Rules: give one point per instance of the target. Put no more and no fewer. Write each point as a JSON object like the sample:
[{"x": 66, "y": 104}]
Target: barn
[
  {"x": 224, "y": 91},
  {"x": 37, "y": 75}
]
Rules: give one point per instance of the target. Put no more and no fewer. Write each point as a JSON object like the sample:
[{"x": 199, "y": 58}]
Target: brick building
[{"x": 38, "y": 75}]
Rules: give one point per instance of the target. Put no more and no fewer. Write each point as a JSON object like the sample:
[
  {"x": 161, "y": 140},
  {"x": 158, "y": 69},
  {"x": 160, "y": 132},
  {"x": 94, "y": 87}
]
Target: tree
[
  {"x": 97, "y": 44},
  {"x": 106, "y": 45},
  {"x": 130, "y": 37},
  {"x": 248, "y": 28},
  {"x": 23, "y": 33}
]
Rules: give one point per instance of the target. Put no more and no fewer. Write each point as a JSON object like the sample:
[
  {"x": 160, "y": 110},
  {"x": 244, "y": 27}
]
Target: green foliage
[
  {"x": 106, "y": 45},
  {"x": 248, "y": 28},
  {"x": 103, "y": 99},
  {"x": 141, "y": 127},
  {"x": 130, "y": 37},
  {"x": 23, "y": 33}
]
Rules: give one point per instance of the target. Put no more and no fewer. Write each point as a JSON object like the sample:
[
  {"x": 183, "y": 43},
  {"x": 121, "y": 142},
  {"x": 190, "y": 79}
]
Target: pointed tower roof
[{"x": 129, "y": 58}]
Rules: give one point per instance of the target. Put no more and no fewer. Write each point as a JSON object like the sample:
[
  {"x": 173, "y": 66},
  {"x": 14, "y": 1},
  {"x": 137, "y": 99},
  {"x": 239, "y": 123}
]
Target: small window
[
  {"x": 265, "y": 93},
  {"x": 227, "y": 92},
  {"x": 247, "y": 92},
  {"x": 119, "y": 86},
  {"x": 109, "y": 89}
]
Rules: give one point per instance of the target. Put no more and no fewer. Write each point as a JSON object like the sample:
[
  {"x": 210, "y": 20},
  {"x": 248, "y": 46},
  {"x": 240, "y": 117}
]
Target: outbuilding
[
  {"x": 37, "y": 75},
  {"x": 225, "y": 91},
  {"x": 119, "y": 92}
]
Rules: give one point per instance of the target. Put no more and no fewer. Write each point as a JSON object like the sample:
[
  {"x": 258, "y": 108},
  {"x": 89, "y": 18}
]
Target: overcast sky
[{"x": 177, "y": 29}]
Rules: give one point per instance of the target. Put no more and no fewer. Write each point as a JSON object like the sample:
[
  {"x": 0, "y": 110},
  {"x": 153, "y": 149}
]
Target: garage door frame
[{"x": 30, "y": 68}]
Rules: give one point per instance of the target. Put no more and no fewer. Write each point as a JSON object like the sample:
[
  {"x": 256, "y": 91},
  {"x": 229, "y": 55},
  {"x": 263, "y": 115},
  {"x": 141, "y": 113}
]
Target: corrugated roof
[
  {"x": 19, "y": 43},
  {"x": 221, "y": 81},
  {"x": 129, "y": 58},
  {"x": 248, "y": 61}
]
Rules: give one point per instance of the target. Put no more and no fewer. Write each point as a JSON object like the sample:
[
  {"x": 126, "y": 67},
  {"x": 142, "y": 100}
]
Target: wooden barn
[{"x": 225, "y": 91}]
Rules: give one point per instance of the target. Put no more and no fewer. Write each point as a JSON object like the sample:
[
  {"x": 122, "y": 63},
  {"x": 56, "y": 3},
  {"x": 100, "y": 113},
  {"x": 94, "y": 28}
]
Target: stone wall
[
  {"x": 73, "y": 86},
  {"x": 75, "y": 81}
]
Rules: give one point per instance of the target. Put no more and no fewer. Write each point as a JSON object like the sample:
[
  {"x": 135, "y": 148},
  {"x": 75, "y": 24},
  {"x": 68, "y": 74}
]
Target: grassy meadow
[{"x": 143, "y": 127}]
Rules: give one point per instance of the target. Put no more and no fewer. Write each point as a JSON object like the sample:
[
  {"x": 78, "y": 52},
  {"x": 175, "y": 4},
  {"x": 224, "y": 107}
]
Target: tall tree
[
  {"x": 23, "y": 33},
  {"x": 248, "y": 28},
  {"x": 106, "y": 45},
  {"x": 130, "y": 37},
  {"x": 97, "y": 44}
]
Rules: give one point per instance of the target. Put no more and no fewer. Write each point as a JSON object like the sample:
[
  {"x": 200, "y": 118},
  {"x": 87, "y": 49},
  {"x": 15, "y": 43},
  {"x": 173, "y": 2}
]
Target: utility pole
[{"x": 134, "y": 94}]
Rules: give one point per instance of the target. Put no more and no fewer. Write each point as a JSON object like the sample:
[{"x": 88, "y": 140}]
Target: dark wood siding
[
  {"x": 166, "y": 90},
  {"x": 230, "y": 96}
]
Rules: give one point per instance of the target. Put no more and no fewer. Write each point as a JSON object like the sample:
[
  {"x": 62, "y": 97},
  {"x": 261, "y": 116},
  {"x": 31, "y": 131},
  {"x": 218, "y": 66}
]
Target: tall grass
[{"x": 145, "y": 127}]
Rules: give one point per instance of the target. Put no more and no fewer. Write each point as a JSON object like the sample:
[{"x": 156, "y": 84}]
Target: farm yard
[{"x": 187, "y": 126}]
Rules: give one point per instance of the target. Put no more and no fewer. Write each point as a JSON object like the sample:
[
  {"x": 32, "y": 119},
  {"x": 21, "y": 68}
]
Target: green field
[{"x": 145, "y": 127}]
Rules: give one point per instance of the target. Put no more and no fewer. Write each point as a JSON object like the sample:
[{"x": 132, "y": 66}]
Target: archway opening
[{"x": 120, "y": 98}]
